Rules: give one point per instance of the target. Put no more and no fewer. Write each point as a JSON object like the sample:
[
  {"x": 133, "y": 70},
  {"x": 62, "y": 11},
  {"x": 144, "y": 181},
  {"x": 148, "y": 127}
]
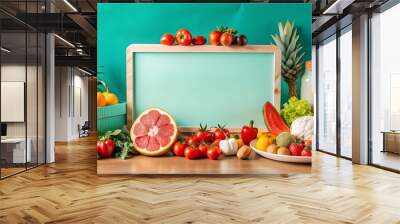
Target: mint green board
[{"x": 208, "y": 88}]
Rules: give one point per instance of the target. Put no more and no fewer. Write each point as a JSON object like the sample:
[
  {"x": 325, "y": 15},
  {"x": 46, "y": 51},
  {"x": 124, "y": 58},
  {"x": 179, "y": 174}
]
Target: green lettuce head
[{"x": 294, "y": 109}]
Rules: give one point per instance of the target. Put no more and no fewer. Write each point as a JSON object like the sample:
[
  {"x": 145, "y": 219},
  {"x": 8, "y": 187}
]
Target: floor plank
[{"x": 70, "y": 191}]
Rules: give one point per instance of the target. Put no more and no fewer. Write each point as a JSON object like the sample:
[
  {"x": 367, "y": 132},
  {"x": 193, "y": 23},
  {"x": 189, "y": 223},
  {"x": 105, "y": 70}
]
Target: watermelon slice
[
  {"x": 273, "y": 120},
  {"x": 154, "y": 132}
]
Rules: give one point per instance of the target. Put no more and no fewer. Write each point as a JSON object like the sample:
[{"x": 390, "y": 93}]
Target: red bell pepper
[{"x": 248, "y": 133}]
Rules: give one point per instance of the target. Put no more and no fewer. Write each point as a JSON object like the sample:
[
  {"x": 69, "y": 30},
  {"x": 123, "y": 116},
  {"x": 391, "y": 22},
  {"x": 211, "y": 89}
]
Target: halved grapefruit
[{"x": 154, "y": 132}]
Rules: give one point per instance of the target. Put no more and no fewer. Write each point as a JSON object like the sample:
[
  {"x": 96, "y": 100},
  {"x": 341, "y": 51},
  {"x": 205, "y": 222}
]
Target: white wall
[{"x": 71, "y": 102}]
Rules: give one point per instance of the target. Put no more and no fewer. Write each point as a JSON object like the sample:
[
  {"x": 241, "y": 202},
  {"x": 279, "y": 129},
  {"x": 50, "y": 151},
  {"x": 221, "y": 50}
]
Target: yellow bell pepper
[{"x": 264, "y": 141}]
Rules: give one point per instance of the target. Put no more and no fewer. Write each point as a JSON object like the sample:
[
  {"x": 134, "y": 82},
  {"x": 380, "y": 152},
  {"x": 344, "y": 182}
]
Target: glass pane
[
  {"x": 31, "y": 98},
  {"x": 13, "y": 85},
  {"x": 41, "y": 98},
  {"x": 346, "y": 94},
  {"x": 385, "y": 84},
  {"x": 327, "y": 96}
]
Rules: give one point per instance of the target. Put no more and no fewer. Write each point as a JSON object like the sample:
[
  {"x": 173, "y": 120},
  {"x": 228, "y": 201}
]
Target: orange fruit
[
  {"x": 101, "y": 101},
  {"x": 110, "y": 98}
]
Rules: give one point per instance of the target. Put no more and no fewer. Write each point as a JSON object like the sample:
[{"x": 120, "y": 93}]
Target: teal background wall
[{"x": 121, "y": 24}]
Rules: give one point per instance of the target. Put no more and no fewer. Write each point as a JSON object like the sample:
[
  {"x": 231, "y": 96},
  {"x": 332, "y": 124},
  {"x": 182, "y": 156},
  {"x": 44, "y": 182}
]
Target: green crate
[{"x": 111, "y": 117}]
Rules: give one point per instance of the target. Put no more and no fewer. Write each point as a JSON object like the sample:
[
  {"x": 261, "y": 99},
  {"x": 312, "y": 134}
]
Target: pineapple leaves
[
  {"x": 281, "y": 32},
  {"x": 278, "y": 42},
  {"x": 291, "y": 50}
]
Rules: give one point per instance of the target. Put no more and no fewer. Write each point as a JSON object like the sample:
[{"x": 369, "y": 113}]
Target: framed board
[
  {"x": 203, "y": 84},
  {"x": 12, "y": 101}
]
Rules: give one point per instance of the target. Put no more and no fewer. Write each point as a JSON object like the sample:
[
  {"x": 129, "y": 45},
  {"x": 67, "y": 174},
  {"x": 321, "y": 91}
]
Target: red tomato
[
  {"x": 192, "y": 153},
  {"x": 201, "y": 136},
  {"x": 214, "y": 153},
  {"x": 226, "y": 131},
  {"x": 179, "y": 149},
  {"x": 226, "y": 39},
  {"x": 214, "y": 37},
  {"x": 183, "y": 37},
  {"x": 167, "y": 39},
  {"x": 240, "y": 40},
  {"x": 296, "y": 149},
  {"x": 106, "y": 148},
  {"x": 216, "y": 142},
  {"x": 192, "y": 140},
  {"x": 210, "y": 136},
  {"x": 221, "y": 133},
  {"x": 199, "y": 40},
  {"x": 203, "y": 150},
  {"x": 306, "y": 152}
]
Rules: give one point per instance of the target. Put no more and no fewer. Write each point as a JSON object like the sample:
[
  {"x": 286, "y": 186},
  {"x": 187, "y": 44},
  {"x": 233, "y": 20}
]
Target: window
[
  {"x": 22, "y": 75},
  {"x": 346, "y": 93},
  {"x": 327, "y": 96},
  {"x": 385, "y": 89}
]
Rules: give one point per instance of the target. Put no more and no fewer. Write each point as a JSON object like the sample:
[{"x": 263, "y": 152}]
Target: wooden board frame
[{"x": 158, "y": 48}]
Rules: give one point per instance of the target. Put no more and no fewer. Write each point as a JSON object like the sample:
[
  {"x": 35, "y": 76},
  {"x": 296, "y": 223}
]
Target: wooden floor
[
  {"x": 386, "y": 159},
  {"x": 69, "y": 191}
]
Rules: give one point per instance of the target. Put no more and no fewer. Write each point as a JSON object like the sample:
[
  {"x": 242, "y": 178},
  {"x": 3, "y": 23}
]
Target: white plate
[{"x": 282, "y": 158}]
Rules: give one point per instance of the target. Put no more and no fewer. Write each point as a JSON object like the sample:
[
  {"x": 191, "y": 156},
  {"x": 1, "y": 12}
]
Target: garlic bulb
[{"x": 229, "y": 146}]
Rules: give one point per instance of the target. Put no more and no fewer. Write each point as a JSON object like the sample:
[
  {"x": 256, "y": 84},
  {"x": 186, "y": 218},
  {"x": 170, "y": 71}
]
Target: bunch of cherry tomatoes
[
  {"x": 222, "y": 36},
  {"x": 202, "y": 144}
]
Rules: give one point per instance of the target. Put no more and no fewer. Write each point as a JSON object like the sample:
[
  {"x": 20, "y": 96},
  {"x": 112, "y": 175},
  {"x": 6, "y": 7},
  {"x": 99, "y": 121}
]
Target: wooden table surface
[{"x": 179, "y": 165}]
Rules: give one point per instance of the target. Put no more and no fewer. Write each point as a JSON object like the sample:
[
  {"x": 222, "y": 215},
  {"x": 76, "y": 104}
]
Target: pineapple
[{"x": 292, "y": 54}]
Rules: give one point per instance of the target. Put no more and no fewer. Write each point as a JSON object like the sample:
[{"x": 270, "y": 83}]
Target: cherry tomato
[
  {"x": 201, "y": 136},
  {"x": 226, "y": 39},
  {"x": 214, "y": 37},
  {"x": 227, "y": 133},
  {"x": 192, "y": 153},
  {"x": 219, "y": 134},
  {"x": 210, "y": 136},
  {"x": 179, "y": 149},
  {"x": 221, "y": 128},
  {"x": 203, "y": 148},
  {"x": 192, "y": 140},
  {"x": 183, "y": 37},
  {"x": 216, "y": 142},
  {"x": 199, "y": 40},
  {"x": 214, "y": 153},
  {"x": 306, "y": 152},
  {"x": 240, "y": 40},
  {"x": 167, "y": 39},
  {"x": 106, "y": 148}
]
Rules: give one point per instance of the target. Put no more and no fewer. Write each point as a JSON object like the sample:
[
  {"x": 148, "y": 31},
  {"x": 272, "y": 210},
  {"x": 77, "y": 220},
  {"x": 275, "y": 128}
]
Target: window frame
[{"x": 334, "y": 37}]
